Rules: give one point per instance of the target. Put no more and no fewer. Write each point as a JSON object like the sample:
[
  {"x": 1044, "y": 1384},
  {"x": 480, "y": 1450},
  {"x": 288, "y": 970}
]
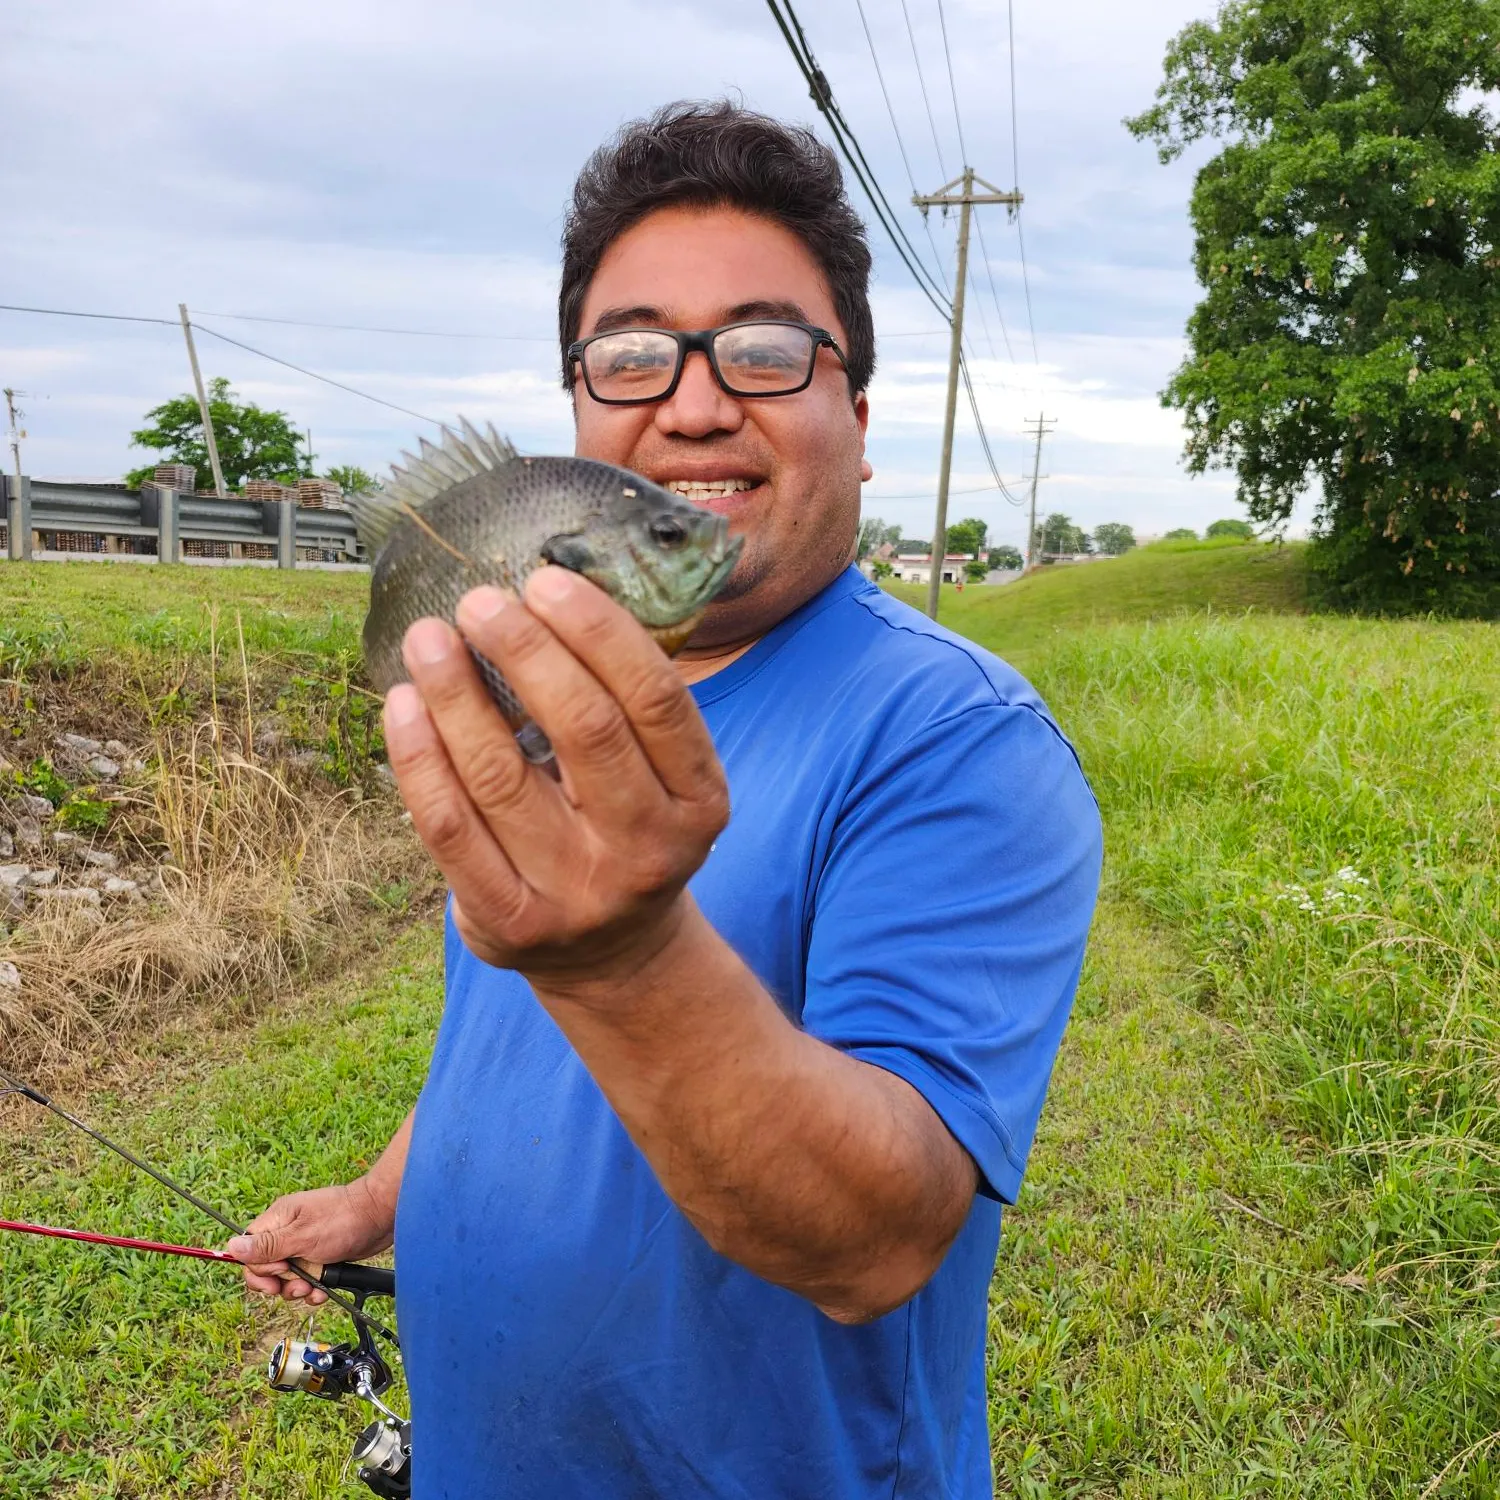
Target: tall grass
[{"x": 1315, "y": 806}]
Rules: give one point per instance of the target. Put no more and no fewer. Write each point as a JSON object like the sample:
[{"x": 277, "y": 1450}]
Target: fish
[{"x": 471, "y": 510}]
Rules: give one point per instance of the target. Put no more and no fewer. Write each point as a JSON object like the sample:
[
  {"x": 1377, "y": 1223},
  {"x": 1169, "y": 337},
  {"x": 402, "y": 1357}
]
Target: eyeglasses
[{"x": 629, "y": 366}]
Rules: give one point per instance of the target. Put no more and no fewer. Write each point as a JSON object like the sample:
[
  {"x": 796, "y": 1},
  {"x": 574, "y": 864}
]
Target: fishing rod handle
[{"x": 346, "y": 1276}]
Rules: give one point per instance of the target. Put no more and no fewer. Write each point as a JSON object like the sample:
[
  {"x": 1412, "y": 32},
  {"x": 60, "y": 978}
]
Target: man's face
[{"x": 786, "y": 470}]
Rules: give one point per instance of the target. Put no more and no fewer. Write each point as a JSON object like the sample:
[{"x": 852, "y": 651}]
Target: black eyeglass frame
[{"x": 702, "y": 340}]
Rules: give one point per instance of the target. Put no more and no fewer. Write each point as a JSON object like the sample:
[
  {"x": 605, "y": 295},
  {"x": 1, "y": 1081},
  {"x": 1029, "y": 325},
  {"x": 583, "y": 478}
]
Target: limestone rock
[
  {"x": 12, "y": 876},
  {"x": 104, "y": 768},
  {"x": 39, "y": 880},
  {"x": 118, "y": 885},
  {"x": 117, "y": 750},
  {"x": 10, "y": 976},
  {"x": 78, "y": 744},
  {"x": 61, "y": 839},
  {"x": 74, "y": 895},
  {"x": 99, "y": 859},
  {"x": 28, "y": 833},
  {"x": 36, "y": 807},
  {"x": 7, "y": 844}
]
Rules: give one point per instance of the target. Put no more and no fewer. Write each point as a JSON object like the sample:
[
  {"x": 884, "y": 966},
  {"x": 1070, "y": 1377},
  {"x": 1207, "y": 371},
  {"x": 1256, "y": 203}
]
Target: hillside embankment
[{"x": 193, "y": 814}]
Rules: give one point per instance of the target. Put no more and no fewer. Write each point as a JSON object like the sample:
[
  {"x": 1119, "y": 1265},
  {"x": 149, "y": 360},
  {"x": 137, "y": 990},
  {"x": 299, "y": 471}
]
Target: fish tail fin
[{"x": 433, "y": 468}]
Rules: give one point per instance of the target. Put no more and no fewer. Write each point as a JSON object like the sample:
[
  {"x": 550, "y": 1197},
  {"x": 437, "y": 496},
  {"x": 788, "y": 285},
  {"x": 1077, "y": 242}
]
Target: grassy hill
[{"x": 1149, "y": 583}]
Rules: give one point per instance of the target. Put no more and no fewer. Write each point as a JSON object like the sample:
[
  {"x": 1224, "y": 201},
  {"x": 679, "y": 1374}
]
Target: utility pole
[
  {"x": 1042, "y": 428},
  {"x": 965, "y": 198},
  {"x": 18, "y": 512},
  {"x": 208, "y": 426}
]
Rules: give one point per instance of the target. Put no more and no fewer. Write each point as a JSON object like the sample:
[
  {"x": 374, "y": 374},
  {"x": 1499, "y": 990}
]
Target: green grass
[
  {"x": 62, "y": 614},
  {"x": 1255, "y": 1252},
  {"x": 140, "y": 1377},
  {"x": 1154, "y": 582}
]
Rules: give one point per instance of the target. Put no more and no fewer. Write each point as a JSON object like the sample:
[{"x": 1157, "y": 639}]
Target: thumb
[{"x": 260, "y": 1247}]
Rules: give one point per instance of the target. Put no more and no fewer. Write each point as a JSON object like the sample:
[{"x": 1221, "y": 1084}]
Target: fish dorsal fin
[{"x": 433, "y": 469}]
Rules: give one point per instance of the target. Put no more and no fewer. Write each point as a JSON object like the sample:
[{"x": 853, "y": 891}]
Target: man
[{"x": 702, "y": 1194}]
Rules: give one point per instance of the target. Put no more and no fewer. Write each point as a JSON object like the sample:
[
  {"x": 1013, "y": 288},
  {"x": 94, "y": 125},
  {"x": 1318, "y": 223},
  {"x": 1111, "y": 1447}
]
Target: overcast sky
[{"x": 406, "y": 166}]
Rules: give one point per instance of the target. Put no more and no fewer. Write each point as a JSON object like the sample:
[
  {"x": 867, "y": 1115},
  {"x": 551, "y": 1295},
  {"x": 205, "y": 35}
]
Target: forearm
[
  {"x": 816, "y": 1171},
  {"x": 382, "y": 1183}
]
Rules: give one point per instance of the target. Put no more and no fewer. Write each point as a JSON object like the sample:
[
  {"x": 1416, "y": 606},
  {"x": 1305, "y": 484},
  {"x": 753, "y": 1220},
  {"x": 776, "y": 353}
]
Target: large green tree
[
  {"x": 1057, "y": 536},
  {"x": 253, "y": 443},
  {"x": 1114, "y": 537},
  {"x": 1346, "y": 240},
  {"x": 968, "y": 535}
]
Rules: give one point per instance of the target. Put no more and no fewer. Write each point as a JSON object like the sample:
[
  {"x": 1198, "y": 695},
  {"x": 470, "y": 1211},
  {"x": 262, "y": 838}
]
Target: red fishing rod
[{"x": 382, "y": 1452}]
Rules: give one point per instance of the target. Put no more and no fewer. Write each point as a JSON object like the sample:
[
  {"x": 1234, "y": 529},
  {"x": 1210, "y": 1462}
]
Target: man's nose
[{"x": 699, "y": 405}]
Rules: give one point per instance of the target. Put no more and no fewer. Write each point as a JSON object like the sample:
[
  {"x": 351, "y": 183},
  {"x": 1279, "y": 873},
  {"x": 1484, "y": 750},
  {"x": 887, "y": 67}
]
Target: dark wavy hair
[{"x": 720, "y": 154}]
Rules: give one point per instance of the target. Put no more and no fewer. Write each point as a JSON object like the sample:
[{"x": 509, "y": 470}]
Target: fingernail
[
  {"x": 403, "y": 706},
  {"x": 552, "y": 584},
  {"x": 429, "y": 641},
  {"x": 483, "y": 604}
]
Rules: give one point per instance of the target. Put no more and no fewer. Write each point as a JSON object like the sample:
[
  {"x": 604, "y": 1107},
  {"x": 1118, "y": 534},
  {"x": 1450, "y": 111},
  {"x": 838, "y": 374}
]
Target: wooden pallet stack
[
  {"x": 319, "y": 494},
  {"x": 269, "y": 489},
  {"x": 180, "y": 477}
]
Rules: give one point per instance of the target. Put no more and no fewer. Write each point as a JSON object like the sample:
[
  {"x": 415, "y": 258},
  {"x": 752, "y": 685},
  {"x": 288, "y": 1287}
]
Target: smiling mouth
[{"x": 706, "y": 491}]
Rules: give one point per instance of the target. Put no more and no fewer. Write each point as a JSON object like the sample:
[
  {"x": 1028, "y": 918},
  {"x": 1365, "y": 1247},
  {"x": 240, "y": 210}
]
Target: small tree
[
  {"x": 1007, "y": 558},
  {"x": 1231, "y": 528},
  {"x": 976, "y": 571},
  {"x": 968, "y": 535},
  {"x": 351, "y": 479},
  {"x": 253, "y": 443},
  {"x": 881, "y": 568},
  {"x": 1114, "y": 537},
  {"x": 1181, "y": 534},
  {"x": 1060, "y": 537},
  {"x": 873, "y": 534}
]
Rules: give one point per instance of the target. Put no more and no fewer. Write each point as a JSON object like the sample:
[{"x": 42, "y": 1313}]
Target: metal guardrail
[{"x": 104, "y": 520}]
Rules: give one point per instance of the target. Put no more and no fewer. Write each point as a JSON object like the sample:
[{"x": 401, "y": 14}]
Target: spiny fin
[{"x": 436, "y": 468}]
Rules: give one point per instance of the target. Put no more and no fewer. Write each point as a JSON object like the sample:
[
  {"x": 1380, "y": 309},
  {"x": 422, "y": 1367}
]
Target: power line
[
  {"x": 963, "y": 150},
  {"x": 900, "y": 142},
  {"x": 416, "y": 333},
  {"x": 313, "y": 375},
  {"x": 922, "y": 81},
  {"x": 984, "y": 250},
  {"x": 849, "y": 147},
  {"x": 64, "y": 312},
  {"x": 1015, "y": 167}
]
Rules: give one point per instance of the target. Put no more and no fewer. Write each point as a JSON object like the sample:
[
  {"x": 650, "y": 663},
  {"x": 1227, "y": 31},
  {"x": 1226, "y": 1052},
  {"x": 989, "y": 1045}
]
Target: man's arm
[
  {"x": 347, "y": 1221},
  {"x": 824, "y": 1174}
]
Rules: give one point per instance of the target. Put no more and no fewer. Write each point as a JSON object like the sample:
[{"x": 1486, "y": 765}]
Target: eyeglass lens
[{"x": 753, "y": 358}]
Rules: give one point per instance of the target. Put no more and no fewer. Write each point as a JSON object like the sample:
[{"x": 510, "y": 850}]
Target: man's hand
[
  {"x": 567, "y": 881},
  {"x": 315, "y": 1227}
]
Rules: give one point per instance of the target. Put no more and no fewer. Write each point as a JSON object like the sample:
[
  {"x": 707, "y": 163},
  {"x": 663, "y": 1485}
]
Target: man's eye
[{"x": 633, "y": 361}]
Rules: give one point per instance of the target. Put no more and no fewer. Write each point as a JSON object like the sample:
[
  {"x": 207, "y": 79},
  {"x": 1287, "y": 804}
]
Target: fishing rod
[{"x": 382, "y": 1453}]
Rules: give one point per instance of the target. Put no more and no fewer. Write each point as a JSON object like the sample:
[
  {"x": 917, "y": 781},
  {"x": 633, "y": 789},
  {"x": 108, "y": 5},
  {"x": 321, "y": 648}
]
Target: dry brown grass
[{"x": 266, "y": 875}]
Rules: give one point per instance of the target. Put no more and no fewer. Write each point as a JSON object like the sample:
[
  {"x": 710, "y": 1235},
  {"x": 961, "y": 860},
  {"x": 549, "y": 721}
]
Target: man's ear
[{"x": 862, "y": 416}]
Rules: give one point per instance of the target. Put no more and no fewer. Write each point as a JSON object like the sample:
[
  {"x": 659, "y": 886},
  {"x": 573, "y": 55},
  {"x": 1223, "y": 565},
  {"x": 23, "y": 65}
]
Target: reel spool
[{"x": 382, "y": 1458}]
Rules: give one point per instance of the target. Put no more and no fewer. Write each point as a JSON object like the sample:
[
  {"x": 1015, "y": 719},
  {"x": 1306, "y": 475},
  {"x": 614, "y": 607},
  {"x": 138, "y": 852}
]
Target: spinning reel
[{"x": 382, "y": 1452}]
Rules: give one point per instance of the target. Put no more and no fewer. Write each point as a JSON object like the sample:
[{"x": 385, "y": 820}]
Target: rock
[
  {"x": 74, "y": 895},
  {"x": 7, "y": 844},
  {"x": 118, "y": 885},
  {"x": 133, "y": 767},
  {"x": 99, "y": 859},
  {"x": 39, "y": 880},
  {"x": 78, "y": 744},
  {"x": 384, "y": 772},
  {"x": 28, "y": 833},
  {"x": 117, "y": 750},
  {"x": 64, "y": 840},
  {"x": 12, "y": 876},
  {"x": 104, "y": 768},
  {"x": 305, "y": 760},
  {"x": 12, "y": 903},
  {"x": 36, "y": 807},
  {"x": 10, "y": 976}
]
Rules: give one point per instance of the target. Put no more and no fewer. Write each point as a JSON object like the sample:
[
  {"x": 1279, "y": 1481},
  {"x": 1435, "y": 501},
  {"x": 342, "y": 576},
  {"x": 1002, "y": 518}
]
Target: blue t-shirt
[{"x": 910, "y": 869}]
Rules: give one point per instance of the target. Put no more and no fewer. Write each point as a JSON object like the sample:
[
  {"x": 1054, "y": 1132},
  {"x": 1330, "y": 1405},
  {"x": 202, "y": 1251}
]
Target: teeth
[{"x": 707, "y": 489}]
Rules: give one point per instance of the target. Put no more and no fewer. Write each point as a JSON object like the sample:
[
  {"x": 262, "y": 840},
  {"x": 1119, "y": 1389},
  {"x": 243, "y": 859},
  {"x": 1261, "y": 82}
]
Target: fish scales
[{"x": 474, "y": 512}]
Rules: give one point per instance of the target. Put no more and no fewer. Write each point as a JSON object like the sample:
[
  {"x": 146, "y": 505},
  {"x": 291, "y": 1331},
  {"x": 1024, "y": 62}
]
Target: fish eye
[{"x": 668, "y": 531}]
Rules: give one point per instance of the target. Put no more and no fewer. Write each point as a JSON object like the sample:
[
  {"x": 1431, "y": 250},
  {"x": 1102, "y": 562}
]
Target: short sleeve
[{"x": 949, "y": 923}]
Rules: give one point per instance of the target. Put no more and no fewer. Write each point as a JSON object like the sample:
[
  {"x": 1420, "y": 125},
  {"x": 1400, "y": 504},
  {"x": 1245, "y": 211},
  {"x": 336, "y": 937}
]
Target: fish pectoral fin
[{"x": 568, "y": 550}]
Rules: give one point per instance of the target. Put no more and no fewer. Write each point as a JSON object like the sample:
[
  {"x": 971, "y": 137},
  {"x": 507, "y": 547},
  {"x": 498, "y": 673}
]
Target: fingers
[
  {"x": 265, "y": 1253},
  {"x": 462, "y": 842},
  {"x": 610, "y": 700}
]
